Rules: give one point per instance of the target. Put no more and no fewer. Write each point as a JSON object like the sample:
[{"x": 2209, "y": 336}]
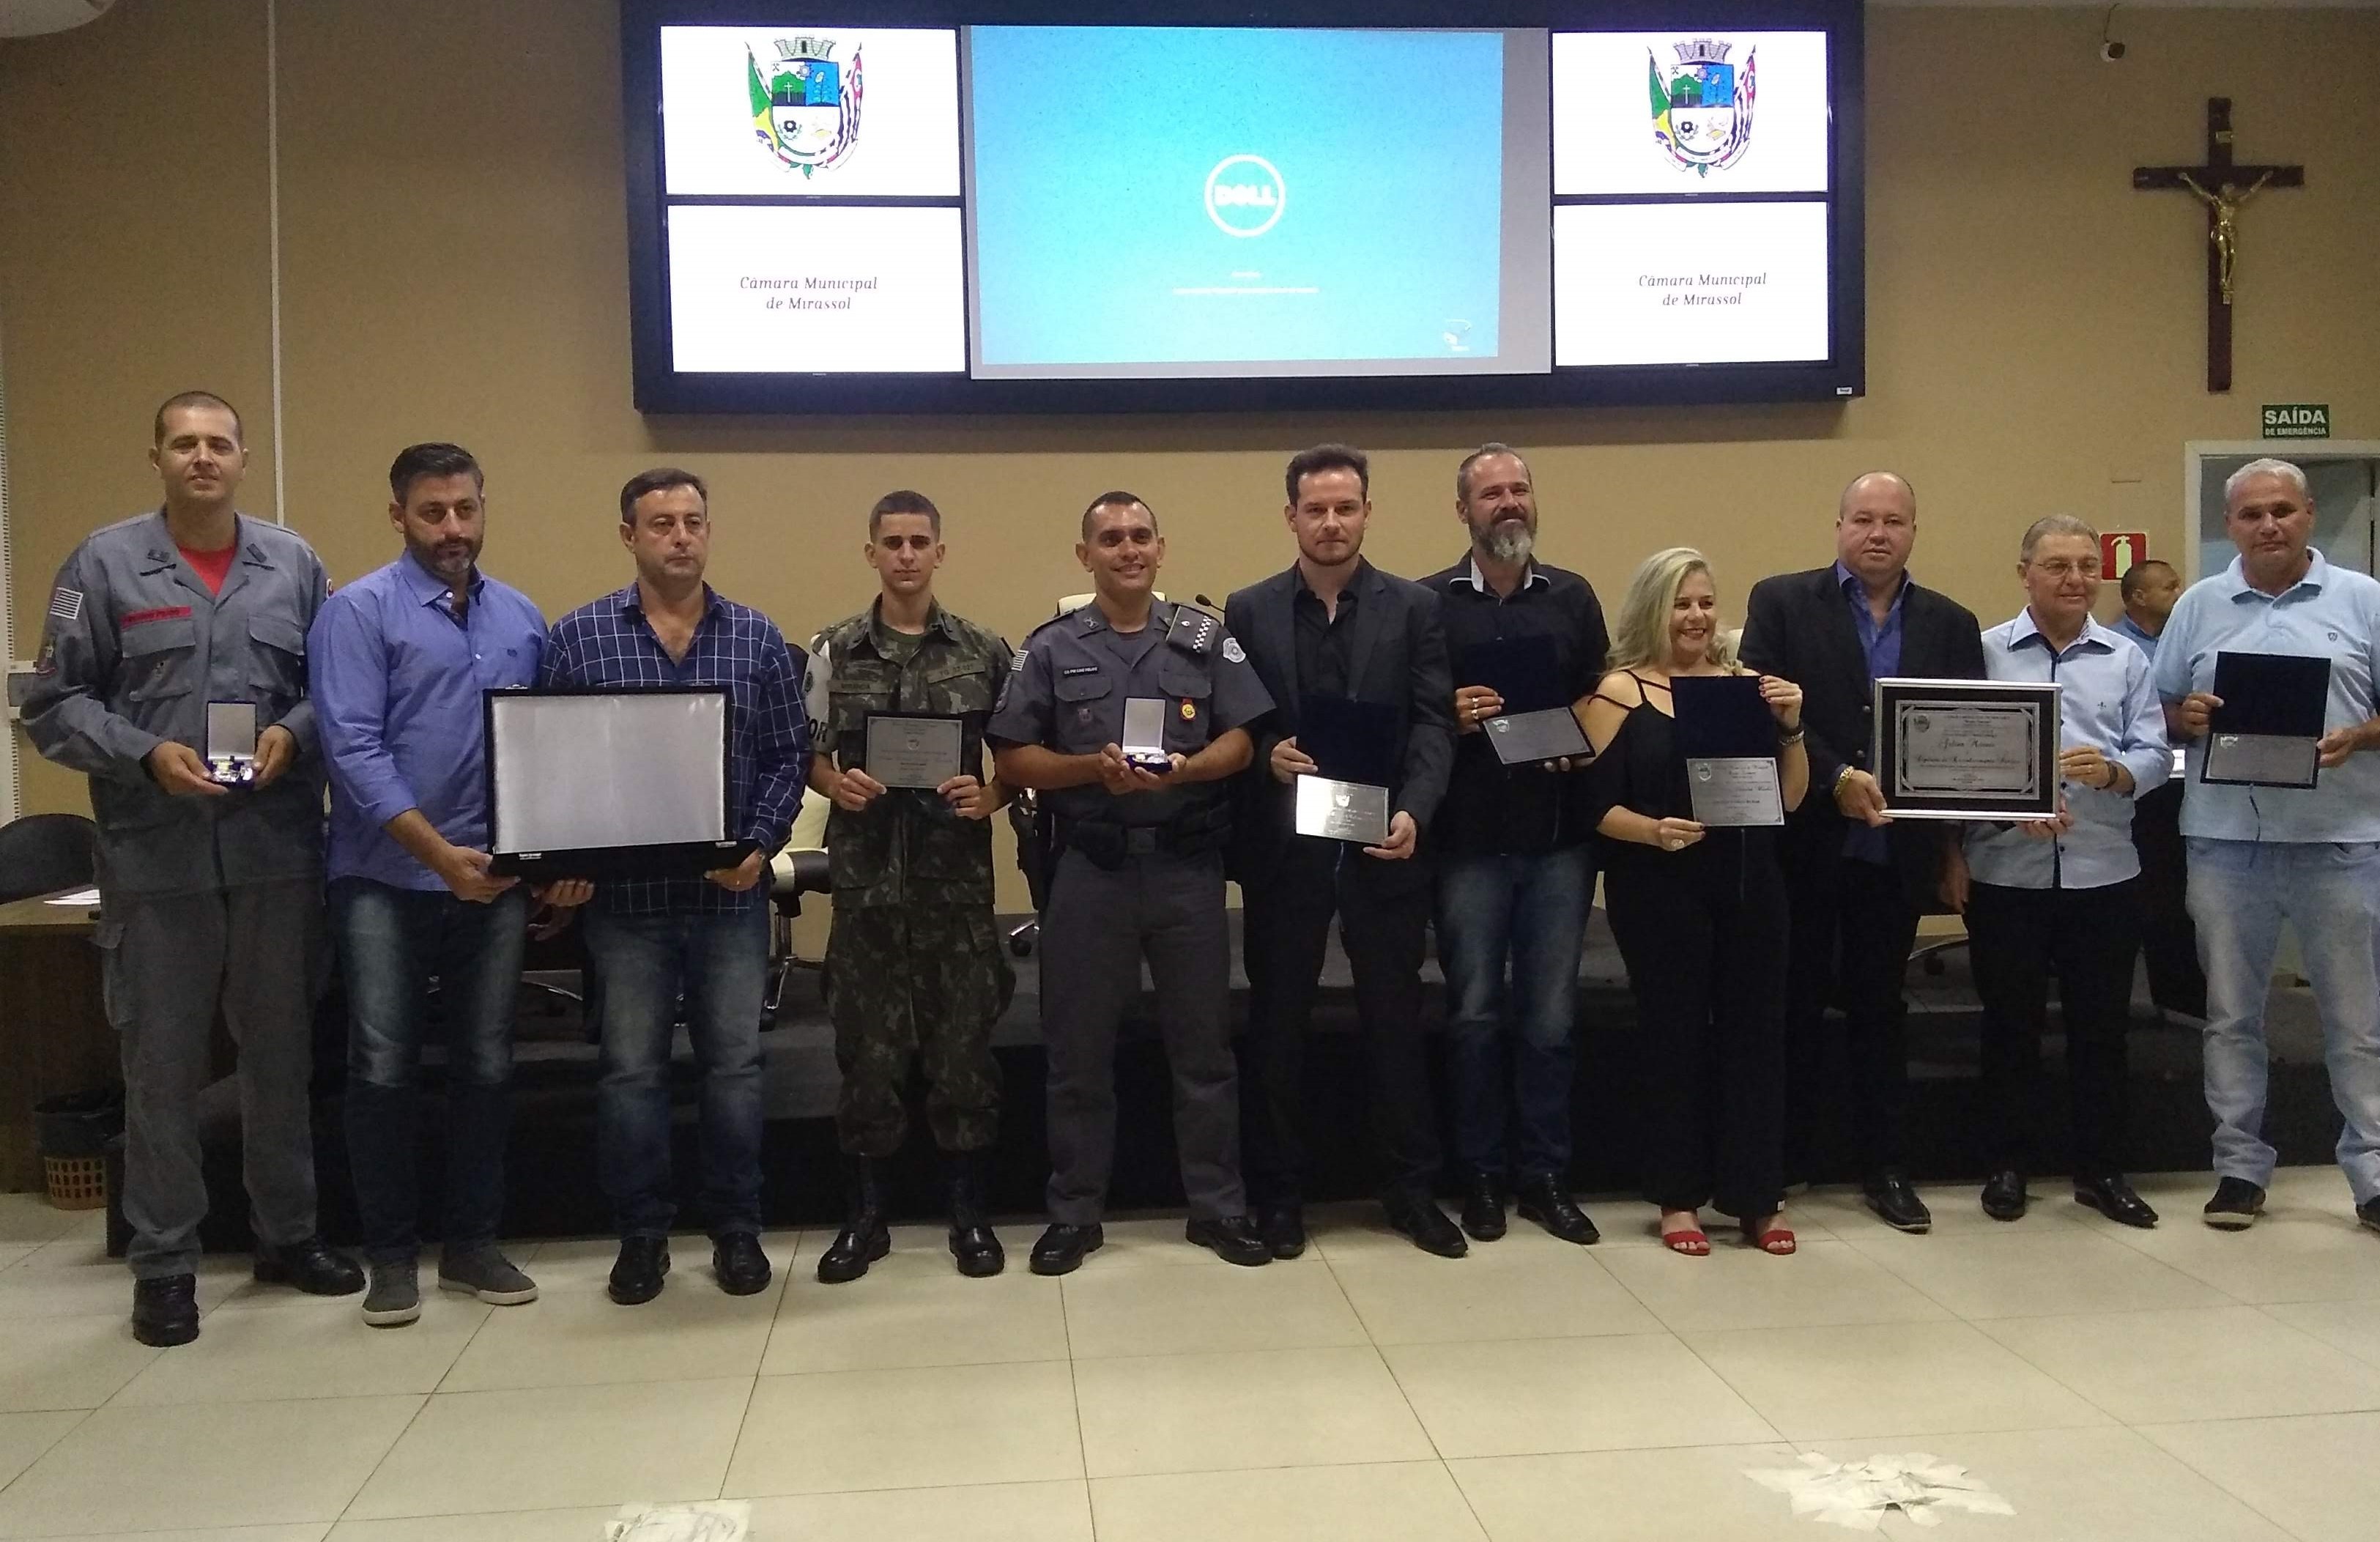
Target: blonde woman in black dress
[{"x": 1699, "y": 914}]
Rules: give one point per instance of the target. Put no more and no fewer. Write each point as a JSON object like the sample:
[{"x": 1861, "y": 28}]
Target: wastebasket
[{"x": 73, "y": 1132}]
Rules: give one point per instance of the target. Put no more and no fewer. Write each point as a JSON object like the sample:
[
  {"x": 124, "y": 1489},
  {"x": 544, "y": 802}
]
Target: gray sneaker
[
  {"x": 487, "y": 1274},
  {"x": 395, "y": 1298}
]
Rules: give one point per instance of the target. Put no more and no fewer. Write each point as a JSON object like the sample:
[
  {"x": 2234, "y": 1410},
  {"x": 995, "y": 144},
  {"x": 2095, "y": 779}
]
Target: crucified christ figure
[{"x": 2223, "y": 206}]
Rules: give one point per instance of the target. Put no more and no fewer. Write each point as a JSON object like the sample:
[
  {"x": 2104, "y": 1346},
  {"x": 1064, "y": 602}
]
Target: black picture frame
[
  {"x": 673, "y": 859},
  {"x": 1893, "y": 697}
]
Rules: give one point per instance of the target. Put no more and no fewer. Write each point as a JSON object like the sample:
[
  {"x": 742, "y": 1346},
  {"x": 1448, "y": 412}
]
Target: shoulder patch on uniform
[
  {"x": 1016, "y": 662},
  {"x": 66, "y": 603},
  {"x": 1234, "y": 651}
]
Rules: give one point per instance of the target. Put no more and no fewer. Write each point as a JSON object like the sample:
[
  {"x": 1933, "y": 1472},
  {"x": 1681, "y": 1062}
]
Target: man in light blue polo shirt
[
  {"x": 2262, "y": 855},
  {"x": 2064, "y": 894},
  {"x": 398, "y": 660}
]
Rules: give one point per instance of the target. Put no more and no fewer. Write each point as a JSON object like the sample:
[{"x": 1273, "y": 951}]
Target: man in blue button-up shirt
[
  {"x": 649, "y": 939},
  {"x": 2064, "y": 894},
  {"x": 2261, "y": 854},
  {"x": 398, "y": 660}
]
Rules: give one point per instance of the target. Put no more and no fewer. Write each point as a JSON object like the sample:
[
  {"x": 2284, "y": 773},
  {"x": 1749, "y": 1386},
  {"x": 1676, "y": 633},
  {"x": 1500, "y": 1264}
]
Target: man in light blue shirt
[
  {"x": 2262, "y": 855},
  {"x": 2149, "y": 588},
  {"x": 2064, "y": 894},
  {"x": 398, "y": 661}
]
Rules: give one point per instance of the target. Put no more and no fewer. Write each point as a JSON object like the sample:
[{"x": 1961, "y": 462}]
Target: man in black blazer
[
  {"x": 1335, "y": 625},
  {"x": 1858, "y": 879}
]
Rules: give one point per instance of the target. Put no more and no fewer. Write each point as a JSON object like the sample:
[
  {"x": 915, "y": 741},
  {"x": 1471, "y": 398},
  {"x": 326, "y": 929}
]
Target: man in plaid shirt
[{"x": 649, "y": 939}]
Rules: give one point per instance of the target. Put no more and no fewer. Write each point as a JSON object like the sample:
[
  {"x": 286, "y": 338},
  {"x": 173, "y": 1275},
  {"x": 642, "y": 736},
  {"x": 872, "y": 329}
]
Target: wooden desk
[{"x": 55, "y": 1036}]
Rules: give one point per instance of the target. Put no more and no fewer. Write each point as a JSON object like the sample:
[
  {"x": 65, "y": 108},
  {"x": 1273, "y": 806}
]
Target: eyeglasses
[{"x": 2064, "y": 567}]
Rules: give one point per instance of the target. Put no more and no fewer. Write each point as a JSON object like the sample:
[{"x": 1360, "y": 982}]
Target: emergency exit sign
[{"x": 2297, "y": 420}]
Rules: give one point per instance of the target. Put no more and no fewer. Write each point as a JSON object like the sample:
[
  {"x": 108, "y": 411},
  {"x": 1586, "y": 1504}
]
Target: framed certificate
[
  {"x": 603, "y": 784},
  {"x": 908, "y": 750},
  {"x": 1967, "y": 749},
  {"x": 2267, "y": 731}
]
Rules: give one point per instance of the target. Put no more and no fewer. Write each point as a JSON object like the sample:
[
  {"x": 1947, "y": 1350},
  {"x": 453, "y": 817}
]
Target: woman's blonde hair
[{"x": 1641, "y": 637}]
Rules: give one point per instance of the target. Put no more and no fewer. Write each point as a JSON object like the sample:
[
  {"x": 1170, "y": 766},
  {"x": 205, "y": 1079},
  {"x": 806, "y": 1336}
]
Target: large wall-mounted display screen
[{"x": 1066, "y": 212}]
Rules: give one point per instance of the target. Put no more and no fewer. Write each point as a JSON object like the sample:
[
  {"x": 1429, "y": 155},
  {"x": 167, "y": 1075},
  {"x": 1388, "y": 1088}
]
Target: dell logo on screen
[{"x": 1246, "y": 195}]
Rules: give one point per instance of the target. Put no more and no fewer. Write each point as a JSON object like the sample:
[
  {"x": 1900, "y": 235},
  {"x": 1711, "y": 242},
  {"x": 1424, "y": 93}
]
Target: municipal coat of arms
[
  {"x": 805, "y": 103},
  {"x": 1702, "y": 110}
]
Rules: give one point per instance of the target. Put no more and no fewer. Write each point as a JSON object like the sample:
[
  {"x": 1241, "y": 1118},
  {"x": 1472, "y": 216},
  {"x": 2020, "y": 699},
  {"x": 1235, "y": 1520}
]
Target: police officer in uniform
[
  {"x": 1138, "y": 872},
  {"x": 914, "y": 965},
  {"x": 210, "y": 893}
]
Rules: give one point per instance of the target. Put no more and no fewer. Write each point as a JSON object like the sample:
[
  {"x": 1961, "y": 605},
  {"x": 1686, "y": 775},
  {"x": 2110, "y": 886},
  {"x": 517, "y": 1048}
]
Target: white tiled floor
[{"x": 2113, "y": 1384}]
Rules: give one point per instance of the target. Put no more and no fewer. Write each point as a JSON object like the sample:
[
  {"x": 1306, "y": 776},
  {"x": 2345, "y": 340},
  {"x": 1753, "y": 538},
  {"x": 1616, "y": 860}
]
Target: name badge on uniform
[{"x": 231, "y": 743}]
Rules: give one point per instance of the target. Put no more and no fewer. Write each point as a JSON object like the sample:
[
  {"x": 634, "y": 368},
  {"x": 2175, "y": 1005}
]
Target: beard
[{"x": 1507, "y": 540}]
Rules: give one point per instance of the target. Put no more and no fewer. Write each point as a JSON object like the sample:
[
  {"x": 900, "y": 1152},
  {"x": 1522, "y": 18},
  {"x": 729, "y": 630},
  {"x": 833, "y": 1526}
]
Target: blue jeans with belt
[
  {"x": 2239, "y": 893},
  {"x": 641, "y": 964},
  {"x": 392, "y": 943},
  {"x": 1509, "y": 1051}
]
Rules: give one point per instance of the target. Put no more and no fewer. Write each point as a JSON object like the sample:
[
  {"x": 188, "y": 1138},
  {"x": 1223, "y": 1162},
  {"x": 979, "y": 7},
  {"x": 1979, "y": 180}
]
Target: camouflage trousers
[{"x": 919, "y": 982}]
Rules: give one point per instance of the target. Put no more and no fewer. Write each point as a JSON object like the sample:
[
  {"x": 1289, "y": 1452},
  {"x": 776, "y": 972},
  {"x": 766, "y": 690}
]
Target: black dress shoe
[
  {"x": 742, "y": 1268},
  {"x": 1483, "y": 1208},
  {"x": 637, "y": 1273},
  {"x": 1547, "y": 1202},
  {"x": 1282, "y": 1227},
  {"x": 973, "y": 1243},
  {"x": 1418, "y": 1216},
  {"x": 308, "y": 1265},
  {"x": 165, "y": 1310},
  {"x": 2108, "y": 1194},
  {"x": 1063, "y": 1248},
  {"x": 2369, "y": 1213},
  {"x": 1889, "y": 1195},
  {"x": 2235, "y": 1207},
  {"x": 1229, "y": 1238},
  {"x": 864, "y": 1238},
  {"x": 2004, "y": 1195}
]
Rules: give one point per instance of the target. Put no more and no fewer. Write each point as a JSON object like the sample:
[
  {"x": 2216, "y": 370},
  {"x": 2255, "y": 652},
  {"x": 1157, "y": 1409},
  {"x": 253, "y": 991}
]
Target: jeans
[
  {"x": 2240, "y": 893},
  {"x": 642, "y": 963},
  {"x": 1509, "y": 1047},
  {"x": 392, "y": 943}
]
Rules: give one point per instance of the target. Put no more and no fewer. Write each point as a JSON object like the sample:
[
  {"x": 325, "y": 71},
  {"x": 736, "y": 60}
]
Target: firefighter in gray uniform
[
  {"x": 209, "y": 886},
  {"x": 1138, "y": 872}
]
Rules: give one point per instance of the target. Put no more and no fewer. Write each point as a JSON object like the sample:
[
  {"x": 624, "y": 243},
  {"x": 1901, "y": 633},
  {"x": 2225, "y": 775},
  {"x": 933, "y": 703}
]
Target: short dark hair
[
  {"x": 903, "y": 501},
  {"x": 1493, "y": 447},
  {"x": 1329, "y": 457},
  {"x": 2130, "y": 583},
  {"x": 416, "y": 461},
  {"x": 1115, "y": 498},
  {"x": 195, "y": 399},
  {"x": 655, "y": 481}
]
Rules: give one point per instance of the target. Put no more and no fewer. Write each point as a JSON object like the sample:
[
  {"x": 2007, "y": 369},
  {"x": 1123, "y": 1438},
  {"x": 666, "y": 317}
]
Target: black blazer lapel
[{"x": 1373, "y": 624}]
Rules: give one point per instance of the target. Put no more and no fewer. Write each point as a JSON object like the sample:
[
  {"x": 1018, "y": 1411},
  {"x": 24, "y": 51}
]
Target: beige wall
[{"x": 453, "y": 266}]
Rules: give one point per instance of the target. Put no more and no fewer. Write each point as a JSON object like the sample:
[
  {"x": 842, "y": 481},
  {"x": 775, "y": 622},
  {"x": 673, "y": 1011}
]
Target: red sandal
[
  {"x": 1690, "y": 1243},
  {"x": 1776, "y": 1241}
]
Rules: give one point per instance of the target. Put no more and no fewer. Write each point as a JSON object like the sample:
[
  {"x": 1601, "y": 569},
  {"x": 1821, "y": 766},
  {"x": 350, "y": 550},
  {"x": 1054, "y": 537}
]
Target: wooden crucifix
[{"x": 2223, "y": 185}]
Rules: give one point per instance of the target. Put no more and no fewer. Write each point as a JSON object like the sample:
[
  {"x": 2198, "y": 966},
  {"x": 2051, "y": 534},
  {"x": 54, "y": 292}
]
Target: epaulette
[{"x": 1195, "y": 631}]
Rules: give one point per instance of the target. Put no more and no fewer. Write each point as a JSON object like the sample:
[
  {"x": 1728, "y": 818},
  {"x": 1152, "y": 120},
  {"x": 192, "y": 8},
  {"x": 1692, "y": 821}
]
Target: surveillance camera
[{"x": 2110, "y": 51}]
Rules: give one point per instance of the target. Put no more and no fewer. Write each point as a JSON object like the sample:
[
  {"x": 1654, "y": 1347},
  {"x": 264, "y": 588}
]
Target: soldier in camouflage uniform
[{"x": 914, "y": 966}]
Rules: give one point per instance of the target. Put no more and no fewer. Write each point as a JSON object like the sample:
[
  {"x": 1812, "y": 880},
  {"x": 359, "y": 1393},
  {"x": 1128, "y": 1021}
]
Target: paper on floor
[
  {"x": 1858, "y": 1495},
  {"x": 702, "y": 1521}
]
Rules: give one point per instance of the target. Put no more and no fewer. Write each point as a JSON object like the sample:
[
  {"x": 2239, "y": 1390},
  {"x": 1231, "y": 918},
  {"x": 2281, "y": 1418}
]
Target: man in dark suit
[
  {"x": 1335, "y": 626},
  {"x": 1858, "y": 879}
]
